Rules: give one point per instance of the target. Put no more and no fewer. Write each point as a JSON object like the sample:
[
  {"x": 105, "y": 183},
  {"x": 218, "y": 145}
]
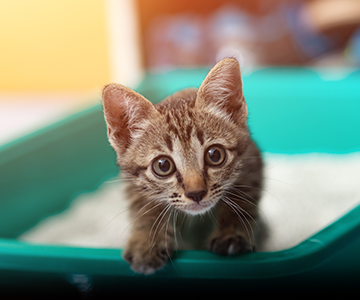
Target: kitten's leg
[
  {"x": 238, "y": 213},
  {"x": 235, "y": 230},
  {"x": 151, "y": 240}
]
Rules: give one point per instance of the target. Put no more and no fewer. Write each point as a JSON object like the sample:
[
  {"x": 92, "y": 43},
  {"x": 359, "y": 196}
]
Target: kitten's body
[{"x": 189, "y": 154}]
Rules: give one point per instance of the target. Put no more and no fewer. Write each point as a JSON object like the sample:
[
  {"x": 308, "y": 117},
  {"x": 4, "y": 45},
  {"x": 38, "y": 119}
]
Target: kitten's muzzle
[{"x": 196, "y": 196}]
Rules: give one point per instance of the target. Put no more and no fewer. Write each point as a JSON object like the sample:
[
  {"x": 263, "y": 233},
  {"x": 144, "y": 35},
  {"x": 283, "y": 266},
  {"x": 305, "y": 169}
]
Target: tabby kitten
[{"x": 190, "y": 153}]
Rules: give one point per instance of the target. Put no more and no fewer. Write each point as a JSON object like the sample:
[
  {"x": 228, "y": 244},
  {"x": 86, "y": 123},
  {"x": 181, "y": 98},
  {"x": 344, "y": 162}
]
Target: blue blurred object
[
  {"x": 310, "y": 42},
  {"x": 354, "y": 47}
]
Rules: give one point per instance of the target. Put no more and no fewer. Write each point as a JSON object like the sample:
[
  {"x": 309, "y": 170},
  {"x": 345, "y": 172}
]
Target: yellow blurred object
[
  {"x": 53, "y": 45},
  {"x": 327, "y": 14}
]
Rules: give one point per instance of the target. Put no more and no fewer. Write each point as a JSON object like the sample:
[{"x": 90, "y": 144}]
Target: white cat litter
[{"x": 302, "y": 194}]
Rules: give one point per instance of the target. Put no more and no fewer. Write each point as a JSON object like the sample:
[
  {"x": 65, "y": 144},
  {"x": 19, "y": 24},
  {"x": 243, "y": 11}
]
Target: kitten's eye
[
  {"x": 163, "y": 166},
  {"x": 215, "y": 156}
]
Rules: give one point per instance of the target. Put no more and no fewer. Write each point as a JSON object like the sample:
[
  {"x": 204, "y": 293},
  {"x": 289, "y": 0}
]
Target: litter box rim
[{"x": 21, "y": 256}]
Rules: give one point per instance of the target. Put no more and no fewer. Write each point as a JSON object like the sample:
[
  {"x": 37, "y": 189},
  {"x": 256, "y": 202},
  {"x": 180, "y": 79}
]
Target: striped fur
[{"x": 182, "y": 128}]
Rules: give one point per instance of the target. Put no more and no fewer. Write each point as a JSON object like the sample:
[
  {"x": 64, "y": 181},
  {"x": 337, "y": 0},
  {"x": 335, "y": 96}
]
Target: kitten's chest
[{"x": 192, "y": 232}]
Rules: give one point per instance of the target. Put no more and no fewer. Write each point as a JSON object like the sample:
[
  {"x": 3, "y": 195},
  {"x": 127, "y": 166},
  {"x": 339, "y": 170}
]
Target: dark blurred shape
[{"x": 259, "y": 32}]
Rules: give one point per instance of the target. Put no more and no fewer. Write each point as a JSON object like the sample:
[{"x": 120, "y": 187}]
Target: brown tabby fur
[{"x": 182, "y": 127}]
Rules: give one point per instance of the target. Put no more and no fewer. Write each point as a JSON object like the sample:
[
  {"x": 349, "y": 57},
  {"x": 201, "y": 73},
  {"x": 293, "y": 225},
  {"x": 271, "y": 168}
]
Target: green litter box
[{"x": 291, "y": 110}]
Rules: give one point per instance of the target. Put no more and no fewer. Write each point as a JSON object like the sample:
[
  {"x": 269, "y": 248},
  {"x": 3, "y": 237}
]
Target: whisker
[
  {"x": 166, "y": 223},
  {"x": 277, "y": 180},
  {"x": 257, "y": 206},
  {"x": 246, "y": 195},
  {"x": 184, "y": 216},
  {"x": 174, "y": 227},
  {"x": 262, "y": 189},
  {"x": 136, "y": 218},
  {"x": 210, "y": 211},
  {"x": 226, "y": 200},
  {"x": 247, "y": 157},
  {"x": 118, "y": 180},
  {"x": 245, "y": 212},
  {"x": 265, "y": 168},
  {"x": 236, "y": 212},
  {"x": 150, "y": 202},
  {"x": 183, "y": 221},
  {"x": 117, "y": 215},
  {"x": 166, "y": 234},
  {"x": 163, "y": 213},
  {"x": 240, "y": 197},
  {"x": 157, "y": 218}
]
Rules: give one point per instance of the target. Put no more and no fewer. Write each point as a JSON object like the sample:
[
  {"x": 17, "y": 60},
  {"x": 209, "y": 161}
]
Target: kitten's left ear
[
  {"x": 126, "y": 113},
  {"x": 221, "y": 91}
]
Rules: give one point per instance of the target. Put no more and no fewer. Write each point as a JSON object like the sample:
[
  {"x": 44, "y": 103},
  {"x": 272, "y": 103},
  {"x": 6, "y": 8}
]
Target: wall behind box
[{"x": 62, "y": 45}]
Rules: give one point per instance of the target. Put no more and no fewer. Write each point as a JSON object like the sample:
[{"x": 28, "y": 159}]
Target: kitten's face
[
  {"x": 185, "y": 151},
  {"x": 186, "y": 156}
]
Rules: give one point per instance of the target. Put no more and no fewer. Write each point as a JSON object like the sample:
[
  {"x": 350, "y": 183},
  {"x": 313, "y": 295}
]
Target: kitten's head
[{"x": 187, "y": 149}]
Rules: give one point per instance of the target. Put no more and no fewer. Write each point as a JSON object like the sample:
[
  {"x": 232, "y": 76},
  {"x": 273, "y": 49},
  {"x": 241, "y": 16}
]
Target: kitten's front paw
[
  {"x": 229, "y": 244},
  {"x": 146, "y": 261}
]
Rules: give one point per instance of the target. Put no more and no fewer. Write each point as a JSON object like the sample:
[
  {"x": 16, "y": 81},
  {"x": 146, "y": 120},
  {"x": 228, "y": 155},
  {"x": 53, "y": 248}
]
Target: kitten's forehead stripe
[
  {"x": 172, "y": 129},
  {"x": 189, "y": 129},
  {"x": 200, "y": 136},
  {"x": 178, "y": 114},
  {"x": 168, "y": 142}
]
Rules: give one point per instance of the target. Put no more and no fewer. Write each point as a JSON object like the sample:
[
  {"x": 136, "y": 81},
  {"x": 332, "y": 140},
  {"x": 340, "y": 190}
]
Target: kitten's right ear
[
  {"x": 221, "y": 91},
  {"x": 125, "y": 113}
]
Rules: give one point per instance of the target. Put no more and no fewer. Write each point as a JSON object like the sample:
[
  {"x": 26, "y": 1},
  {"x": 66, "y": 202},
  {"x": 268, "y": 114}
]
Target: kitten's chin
[{"x": 197, "y": 209}]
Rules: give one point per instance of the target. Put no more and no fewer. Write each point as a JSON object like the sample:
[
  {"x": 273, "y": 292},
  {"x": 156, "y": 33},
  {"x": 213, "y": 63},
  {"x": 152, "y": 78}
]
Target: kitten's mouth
[{"x": 198, "y": 208}]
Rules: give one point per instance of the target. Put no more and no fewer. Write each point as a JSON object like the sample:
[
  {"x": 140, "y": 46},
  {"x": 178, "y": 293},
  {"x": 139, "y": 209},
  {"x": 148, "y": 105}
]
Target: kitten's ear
[
  {"x": 125, "y": 113},
  {"x": 221, "y": 91}
]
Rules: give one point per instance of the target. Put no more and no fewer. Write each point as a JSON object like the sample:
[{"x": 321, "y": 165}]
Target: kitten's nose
[{"x": 196, "y": 196}]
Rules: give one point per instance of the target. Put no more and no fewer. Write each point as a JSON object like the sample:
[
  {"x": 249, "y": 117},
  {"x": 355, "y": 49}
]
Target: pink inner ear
[
  {"x": 124, "y": 111},
  {"x": 116, "y": 116},
  {"x": 223, "y": 88}
]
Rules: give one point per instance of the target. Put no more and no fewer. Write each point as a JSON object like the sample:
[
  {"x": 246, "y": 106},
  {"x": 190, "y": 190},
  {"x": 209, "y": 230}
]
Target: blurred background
[{"x": 55, "y": 56}]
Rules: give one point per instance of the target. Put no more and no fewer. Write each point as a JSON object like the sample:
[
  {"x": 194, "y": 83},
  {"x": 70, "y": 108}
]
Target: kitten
[{"x": 190, "y": 153}]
